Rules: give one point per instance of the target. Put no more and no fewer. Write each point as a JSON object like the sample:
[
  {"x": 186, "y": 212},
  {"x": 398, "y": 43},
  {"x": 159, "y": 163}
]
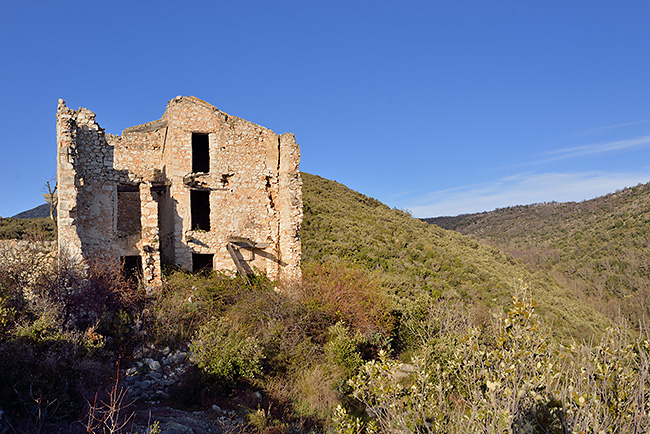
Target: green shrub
[
  {"x": 414, "y": 260},
  {"x": 227, "y": 353},
  {"x": 343, "y": 349},
  {"x": 7, "y": 316},
  {"x": 186, "y": 301},
  {"x": 263, "y": 422},
  {"x": 46, "y": 373},
  {"x": 58, "y": 339}
]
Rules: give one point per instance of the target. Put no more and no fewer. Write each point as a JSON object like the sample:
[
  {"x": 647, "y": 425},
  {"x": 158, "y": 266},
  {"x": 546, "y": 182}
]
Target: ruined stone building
[{"x": 197, "y": 188}]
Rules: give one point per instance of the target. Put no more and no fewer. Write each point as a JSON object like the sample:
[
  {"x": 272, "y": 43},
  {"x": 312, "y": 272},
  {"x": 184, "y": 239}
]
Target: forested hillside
[
  {"x": 418, "y": 260},
  {"x": 598, "y": 248}
]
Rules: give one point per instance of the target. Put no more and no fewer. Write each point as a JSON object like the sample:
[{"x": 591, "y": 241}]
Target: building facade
[{"x": 197, "y": 188}]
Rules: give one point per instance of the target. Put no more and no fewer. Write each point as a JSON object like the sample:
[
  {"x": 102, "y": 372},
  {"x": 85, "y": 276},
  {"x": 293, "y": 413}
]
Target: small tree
[{"x": 50, "y": 195}]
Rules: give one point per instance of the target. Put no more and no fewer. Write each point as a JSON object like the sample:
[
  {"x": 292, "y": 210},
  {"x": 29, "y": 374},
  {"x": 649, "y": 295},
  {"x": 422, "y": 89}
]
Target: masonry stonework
[{"x": 140, "y": 195}]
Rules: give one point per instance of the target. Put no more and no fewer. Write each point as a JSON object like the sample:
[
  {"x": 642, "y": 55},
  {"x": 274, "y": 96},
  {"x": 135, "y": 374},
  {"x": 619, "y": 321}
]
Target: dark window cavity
[
  {"x": 132, "y": 268},
  {"x": 200, "y": 204},
  {"x": 202, "y": 262},
  {"x": 128, "y": 209},
  {"x": 200, "y": 153}
]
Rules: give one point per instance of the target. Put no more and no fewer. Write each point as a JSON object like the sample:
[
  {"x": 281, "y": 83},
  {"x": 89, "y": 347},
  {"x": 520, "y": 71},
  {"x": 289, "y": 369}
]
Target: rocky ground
[{"x": 148, "y": 384}]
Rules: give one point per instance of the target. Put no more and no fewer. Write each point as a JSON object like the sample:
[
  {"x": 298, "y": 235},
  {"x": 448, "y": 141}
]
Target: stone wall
[
  {"x": 246, "y": 202},
  {"x": 32, "y": 256},
  {"x": 20, "y": 247}
]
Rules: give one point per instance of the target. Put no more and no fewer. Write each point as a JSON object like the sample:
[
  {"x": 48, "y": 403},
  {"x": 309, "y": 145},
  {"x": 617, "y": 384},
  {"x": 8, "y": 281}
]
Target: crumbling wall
[
  {"x": 85, "y": 186},
  {"x": 138, "y": 154},
  {"x": 89, "y": 187},
  {"x": 246, "y": 203}
]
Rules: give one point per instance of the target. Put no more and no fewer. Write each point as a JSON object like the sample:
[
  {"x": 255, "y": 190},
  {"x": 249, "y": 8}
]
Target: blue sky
[{"x": 439, "y": 107}]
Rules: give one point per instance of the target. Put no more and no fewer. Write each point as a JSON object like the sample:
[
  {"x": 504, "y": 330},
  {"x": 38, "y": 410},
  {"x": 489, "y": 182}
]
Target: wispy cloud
[
  {"x": 612, "y": 127},
  {"x": 521, "y": 189},
  {"x": 597, "y": 148},
  {"x": 399, "y": 194}
]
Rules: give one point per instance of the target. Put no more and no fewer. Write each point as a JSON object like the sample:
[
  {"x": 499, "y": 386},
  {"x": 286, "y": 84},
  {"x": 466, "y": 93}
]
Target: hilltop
[
  {"x": 598, "y": 248},
  {"x": 41, "y": 211},
  {"x": 19, "y": 228}
]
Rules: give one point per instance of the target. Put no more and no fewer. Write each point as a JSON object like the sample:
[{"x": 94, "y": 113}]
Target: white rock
[{"x": 153, "y": 365}]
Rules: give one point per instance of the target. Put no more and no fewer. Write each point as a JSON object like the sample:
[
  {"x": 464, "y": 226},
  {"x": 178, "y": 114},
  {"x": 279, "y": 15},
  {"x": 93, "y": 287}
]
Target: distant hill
[
  {"x": 41, "y": 211},
  {"x": 599, "y": 248},
  {"x": 417, "y": 260}
]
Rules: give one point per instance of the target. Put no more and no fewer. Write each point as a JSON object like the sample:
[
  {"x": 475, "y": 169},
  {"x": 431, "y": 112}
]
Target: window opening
[
  {"x": 128, "y": 209},
  {"x": 132, "y": 268},
  {"x": 200, "y": 205},
  {"x": 202, "y": 262},
  {"x": 200, "y": 153}
]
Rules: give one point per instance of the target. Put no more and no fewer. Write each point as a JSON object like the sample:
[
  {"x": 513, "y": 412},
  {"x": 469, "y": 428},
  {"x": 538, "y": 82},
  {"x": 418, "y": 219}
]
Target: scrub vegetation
[
  {"x": 397, "y": 326},
  {"x": 34, "y": 229}
]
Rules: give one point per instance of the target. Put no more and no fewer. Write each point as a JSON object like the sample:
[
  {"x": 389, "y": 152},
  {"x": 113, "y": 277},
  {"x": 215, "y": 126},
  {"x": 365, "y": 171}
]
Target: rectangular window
[
  {"x": 132, "y": 268},
  {"x": 128, "y": 209},
  {"x": 202, "y": 262},
  {"x": 200, "y": 206},
  {"x": 166, "y": 220},
  {"x": 200, "y": 153}
]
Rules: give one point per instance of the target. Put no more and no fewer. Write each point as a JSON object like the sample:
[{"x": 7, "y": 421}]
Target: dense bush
[
  {"x": 348, "y": 294},
  {"x": 59, "y": 338},
  {"x": 508, "y": 377},
  {"x": 227, "y": 353},
  {"x": 299, "y": 343},
  {"x": 325, "y": 354},
  {"x": 185, "y": 302},
  {"x": 413, "y": 260}
]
